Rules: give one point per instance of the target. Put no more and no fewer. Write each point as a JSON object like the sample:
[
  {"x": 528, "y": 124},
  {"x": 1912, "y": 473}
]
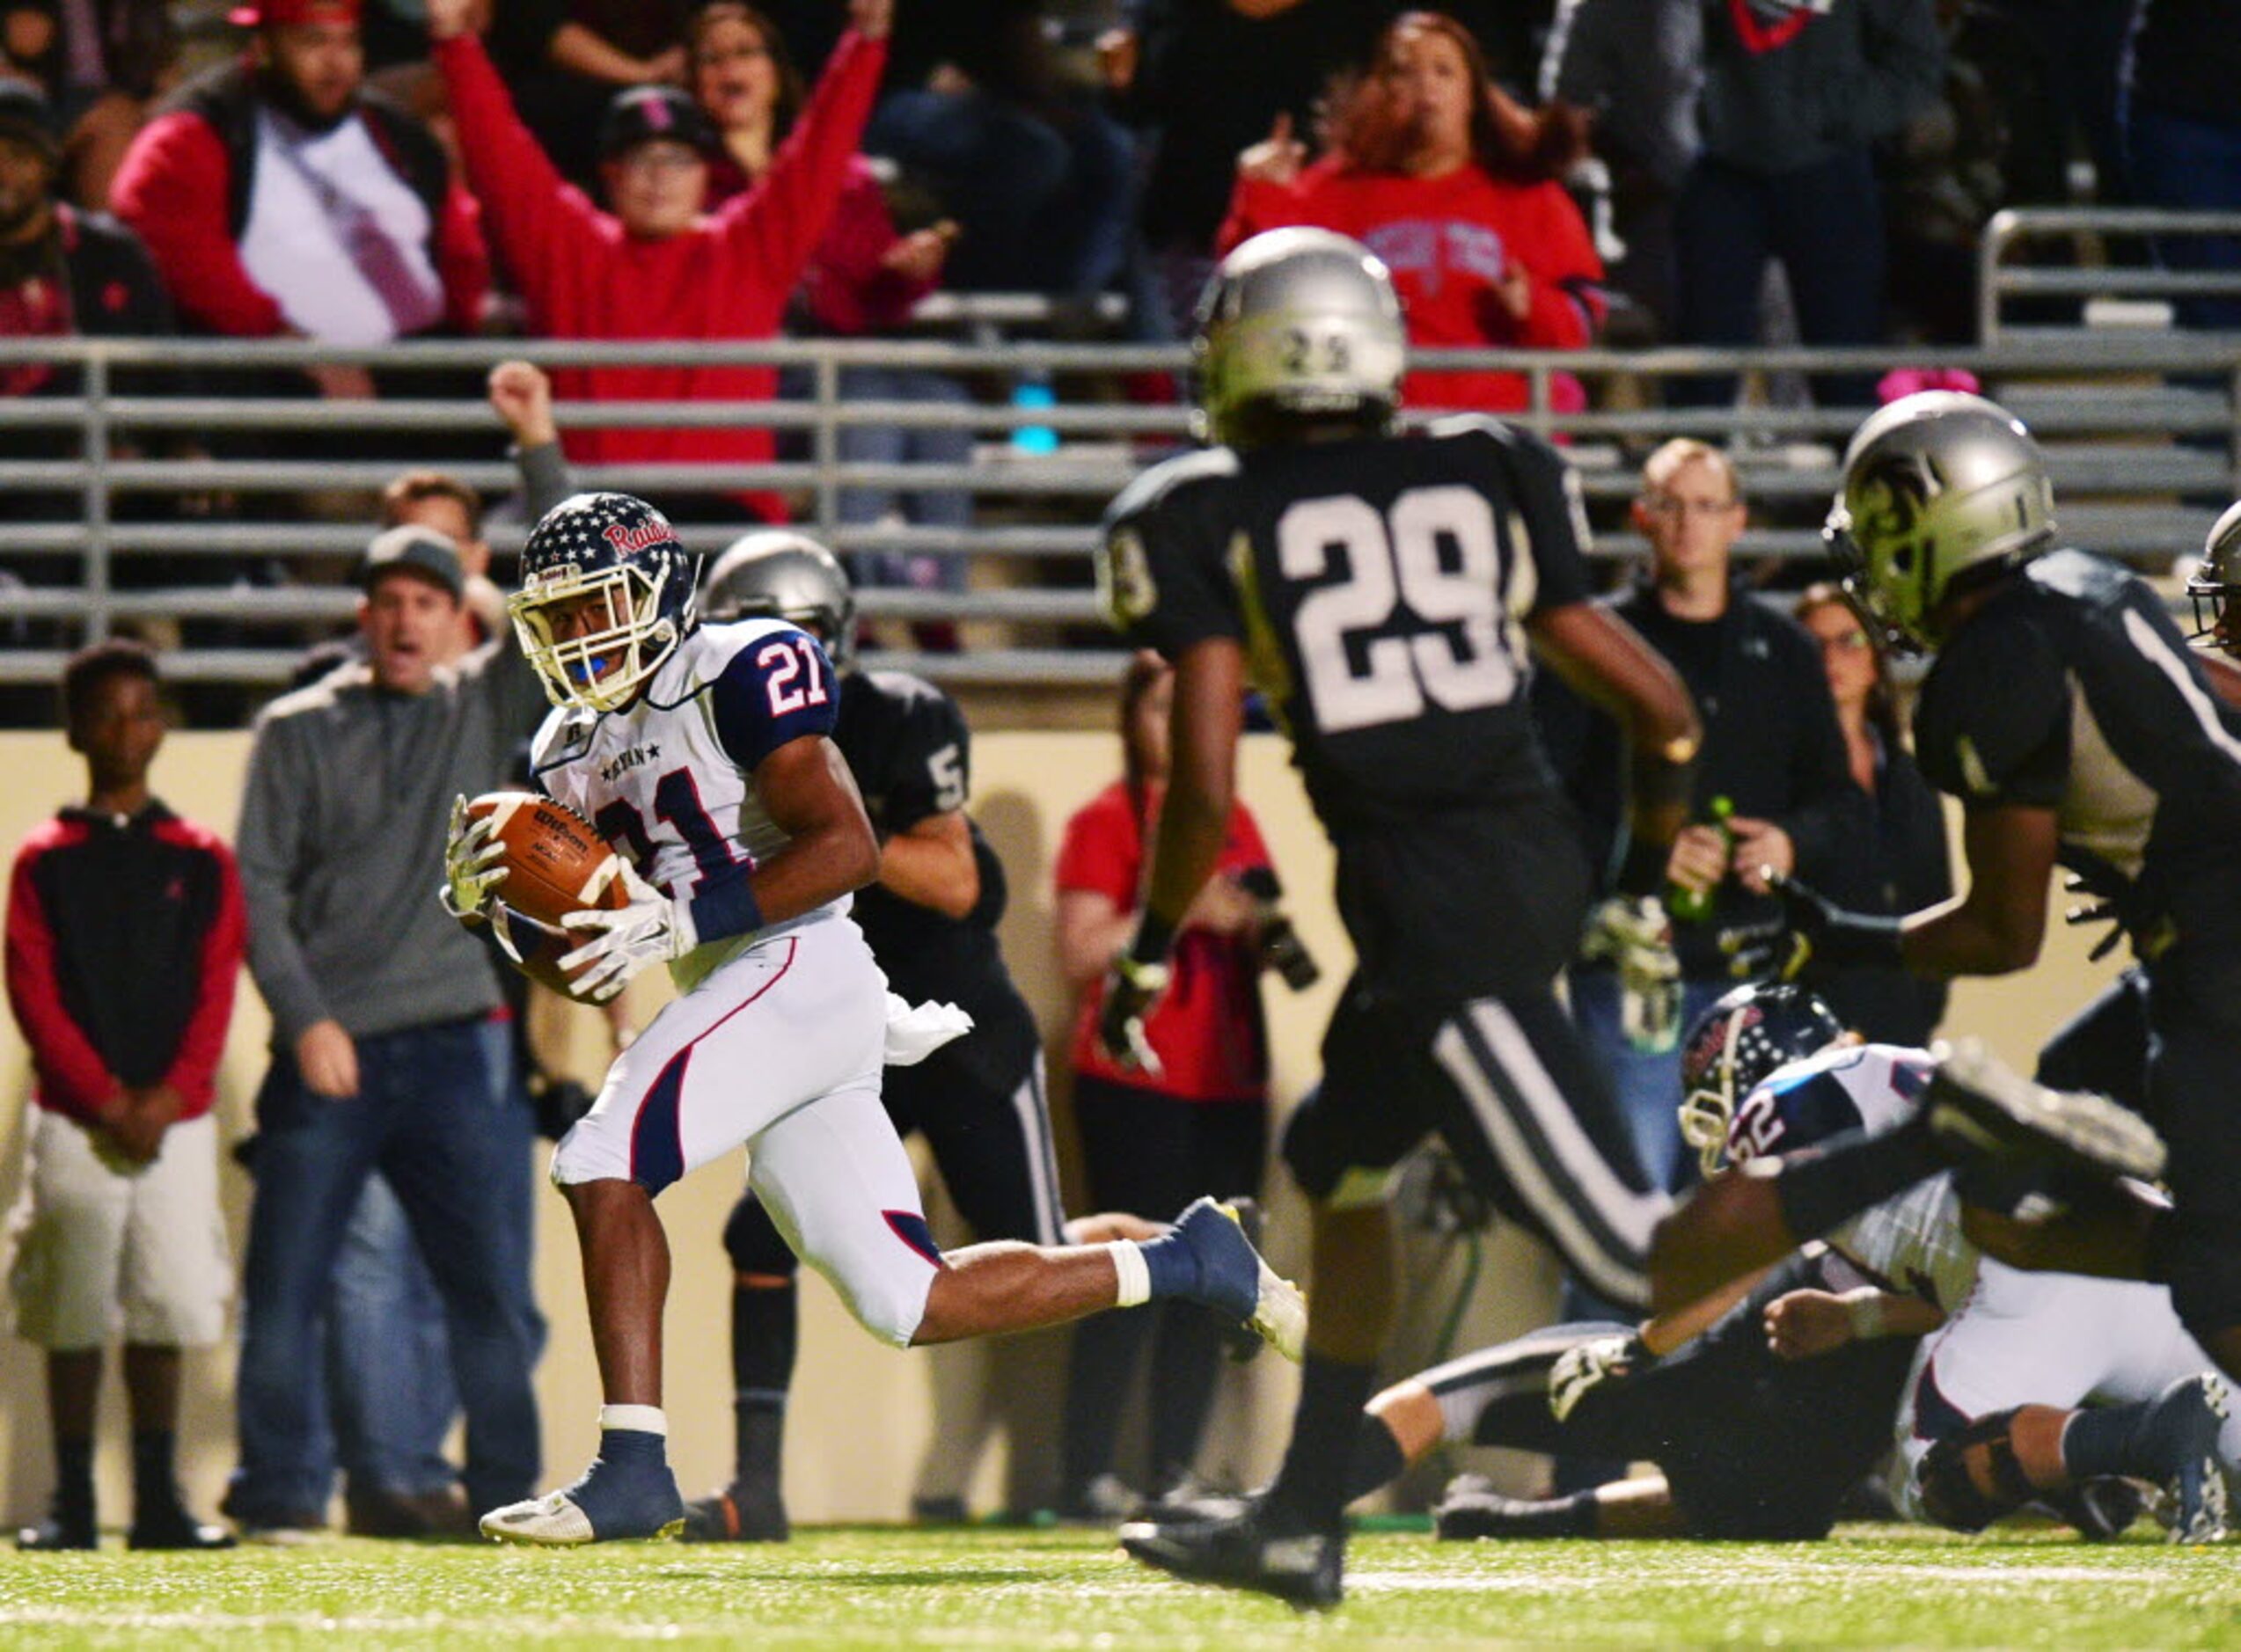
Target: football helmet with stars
[
  {"x": 1734, "y": 1045},
  {"x": 607, "y": 594}
]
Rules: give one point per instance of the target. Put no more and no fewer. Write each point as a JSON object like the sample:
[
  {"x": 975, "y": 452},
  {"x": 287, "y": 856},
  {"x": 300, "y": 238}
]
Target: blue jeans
[
  {"x": 390, "y": 1393},
  {"x": 429, "y": 1117},
  {"x": 899, "y": 444},
  {"x": 1648, "y": 1087}
]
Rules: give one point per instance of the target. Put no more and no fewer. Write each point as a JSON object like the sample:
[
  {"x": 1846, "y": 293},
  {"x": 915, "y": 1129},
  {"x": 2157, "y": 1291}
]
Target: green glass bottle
[{"x": 1694, "y": 906}]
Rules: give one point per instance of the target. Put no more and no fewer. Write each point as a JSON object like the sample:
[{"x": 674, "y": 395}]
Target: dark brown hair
[
  {"x": 1882, "y": 708},
  {"x": 1506, "y": 138},
  {"x": 415, "y": 488},
  {"x": 791, "y": 93}
]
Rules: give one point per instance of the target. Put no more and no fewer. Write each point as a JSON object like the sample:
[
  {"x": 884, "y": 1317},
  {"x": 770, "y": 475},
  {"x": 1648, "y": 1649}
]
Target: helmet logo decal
[{"x": 627, "y": 537}]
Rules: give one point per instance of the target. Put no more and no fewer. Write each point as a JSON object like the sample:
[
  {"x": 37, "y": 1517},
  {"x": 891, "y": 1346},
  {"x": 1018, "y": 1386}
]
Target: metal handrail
[
  {"x": 1996, "y": 279},
  {"x": 2119, "y": 493}
]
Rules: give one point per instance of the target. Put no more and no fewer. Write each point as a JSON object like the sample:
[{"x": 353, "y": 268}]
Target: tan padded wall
[{"x": 862, "y": 1413}]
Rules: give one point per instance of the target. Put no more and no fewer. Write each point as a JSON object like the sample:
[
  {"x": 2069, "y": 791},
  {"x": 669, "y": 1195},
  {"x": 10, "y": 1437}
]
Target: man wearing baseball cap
[
  {"x": 279, "y": 195},
  {"x": 62, "y": 271},
  {"x": 656, "y": 264},
  {"x": 385, "y": 1057}
]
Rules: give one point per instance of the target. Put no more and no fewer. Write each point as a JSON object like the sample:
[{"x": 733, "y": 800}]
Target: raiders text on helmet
[
  {"x": 1941, "y": 491},
  {"x": 789, "y": 575},
  {"x": 1734, "y": 1046},
  {"x": 1296, "y": 322},
  {"x": 606, "y": 594}
]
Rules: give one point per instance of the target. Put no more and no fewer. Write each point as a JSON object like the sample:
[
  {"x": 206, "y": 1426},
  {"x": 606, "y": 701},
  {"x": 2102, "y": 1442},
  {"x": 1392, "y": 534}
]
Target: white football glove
[
  {"x": 471, "y": 864},
  {"x": 1606, "y": 1359},
  {"x": 619, "y": 942},
  {"x": 1634, "y": 932}
]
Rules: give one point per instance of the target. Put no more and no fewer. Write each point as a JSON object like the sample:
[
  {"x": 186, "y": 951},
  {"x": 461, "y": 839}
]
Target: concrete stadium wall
[{"x": 863, "y": 1415}]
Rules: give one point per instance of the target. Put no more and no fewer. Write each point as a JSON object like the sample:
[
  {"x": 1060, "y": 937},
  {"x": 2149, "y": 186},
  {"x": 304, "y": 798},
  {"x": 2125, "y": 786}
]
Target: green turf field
[{"x": 1870, "y": 1587}]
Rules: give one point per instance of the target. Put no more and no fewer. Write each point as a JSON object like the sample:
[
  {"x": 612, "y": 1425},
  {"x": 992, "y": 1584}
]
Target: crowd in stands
[{"x": 356, "y": 171}]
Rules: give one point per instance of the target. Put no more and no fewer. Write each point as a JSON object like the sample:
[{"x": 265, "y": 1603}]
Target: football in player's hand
[{"x": 556, "y": 863}]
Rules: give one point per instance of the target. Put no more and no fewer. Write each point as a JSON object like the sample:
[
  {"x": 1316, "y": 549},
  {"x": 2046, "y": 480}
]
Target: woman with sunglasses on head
[{"x": 1910, "y": 868}]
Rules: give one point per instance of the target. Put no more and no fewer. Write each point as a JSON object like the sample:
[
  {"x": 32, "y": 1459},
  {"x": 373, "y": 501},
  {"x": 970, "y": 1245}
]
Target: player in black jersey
[
  {"x": 2067, "y": 713},
  {"x": 1381, "y": 589},
  {"x": 931, "y": 921}
]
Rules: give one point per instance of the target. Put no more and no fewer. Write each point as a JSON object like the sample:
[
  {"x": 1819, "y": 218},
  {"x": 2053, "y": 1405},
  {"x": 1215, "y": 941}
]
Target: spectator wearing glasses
[
  {"x": 1772, "y": 749},
  {"x": 1910, "y": 868}
]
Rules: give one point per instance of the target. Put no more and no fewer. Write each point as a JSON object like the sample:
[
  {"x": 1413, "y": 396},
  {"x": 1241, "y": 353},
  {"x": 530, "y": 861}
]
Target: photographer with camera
[{"x": 1192, "y": 1118}]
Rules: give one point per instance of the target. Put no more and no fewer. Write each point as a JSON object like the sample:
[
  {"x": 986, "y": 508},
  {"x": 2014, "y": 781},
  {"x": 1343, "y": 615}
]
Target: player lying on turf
[
  {"x": 2066, "y": 712},
  {"x": 1762, "y": 1424},
  {"x": 704, "y": 756},
  {"x": 1384, "y": 587},
  {"x": 2027, "y": 1384}
]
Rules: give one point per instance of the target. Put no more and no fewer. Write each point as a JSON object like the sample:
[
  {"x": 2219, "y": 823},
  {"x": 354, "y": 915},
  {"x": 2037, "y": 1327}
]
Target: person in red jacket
[
  {"x": 658, "y": 265},
  {"x": 1452, "y": 186},
  {"x": 1200, "y": 1121},
  {"x": 279, "y": 197},
  {"x": 124, "y": 938}
]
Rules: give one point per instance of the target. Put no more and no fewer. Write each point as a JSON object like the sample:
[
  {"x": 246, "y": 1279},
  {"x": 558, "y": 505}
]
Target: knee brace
[
  {"x": 754, "y": 1244},
  {"x": 1951, "y": 1494}
]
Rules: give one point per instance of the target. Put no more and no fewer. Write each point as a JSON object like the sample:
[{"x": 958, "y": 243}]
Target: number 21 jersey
[{"x": 670, "y": 779}]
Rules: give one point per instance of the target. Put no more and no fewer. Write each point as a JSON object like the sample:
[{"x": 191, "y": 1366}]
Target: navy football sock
[
  {"x": 1377, "y": 1460},
  {"x": 628, "y": 1491},
  {"x": 2149, "y": 1439},
  {"x": 1310, "y": 1493}
]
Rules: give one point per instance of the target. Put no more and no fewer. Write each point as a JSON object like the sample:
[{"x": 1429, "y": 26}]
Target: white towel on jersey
[{"x": 915, "y": 1031}]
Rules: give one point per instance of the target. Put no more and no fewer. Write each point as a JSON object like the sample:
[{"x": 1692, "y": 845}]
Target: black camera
[{"x": 1281, "y": 948}]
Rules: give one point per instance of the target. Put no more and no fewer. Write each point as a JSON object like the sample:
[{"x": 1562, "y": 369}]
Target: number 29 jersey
[
  {"x": 670, "y": 779},
  {"x": 1379, "y": 586}
]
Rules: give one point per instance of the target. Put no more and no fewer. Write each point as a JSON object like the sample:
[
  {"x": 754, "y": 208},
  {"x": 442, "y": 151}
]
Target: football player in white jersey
[
  {"x": 703, "y": 755},
  {"x": 1996, "y": 1412}
]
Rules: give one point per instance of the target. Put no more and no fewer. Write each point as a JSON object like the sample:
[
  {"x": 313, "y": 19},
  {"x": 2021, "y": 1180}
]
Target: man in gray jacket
[{"x": 382, "y": 1046}]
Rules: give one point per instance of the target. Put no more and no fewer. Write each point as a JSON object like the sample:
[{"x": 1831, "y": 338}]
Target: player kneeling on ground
[{"x": 704, "y": 756}]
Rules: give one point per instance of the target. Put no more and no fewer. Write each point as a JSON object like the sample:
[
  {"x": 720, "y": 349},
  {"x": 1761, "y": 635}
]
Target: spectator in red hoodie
[
  {"x": 125, "y": 935},
  {"x": 1452, "y": 185},
  {"x": 658, "y": 265},
  {"x": 280, "y": 196}
]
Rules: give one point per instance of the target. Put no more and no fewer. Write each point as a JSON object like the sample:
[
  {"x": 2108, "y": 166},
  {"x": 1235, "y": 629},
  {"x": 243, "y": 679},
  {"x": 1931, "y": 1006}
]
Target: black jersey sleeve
[
  {"x": 1993, "y": 727},
  {"x": 1555, "y": 522},
  {"x": 1160, "y": 571},
  {"x": 930, "y": 765}
]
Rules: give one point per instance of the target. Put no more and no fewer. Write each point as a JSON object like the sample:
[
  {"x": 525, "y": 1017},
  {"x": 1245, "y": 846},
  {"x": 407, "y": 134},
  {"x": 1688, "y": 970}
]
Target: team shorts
[{"x": 780, "y": 1050}]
